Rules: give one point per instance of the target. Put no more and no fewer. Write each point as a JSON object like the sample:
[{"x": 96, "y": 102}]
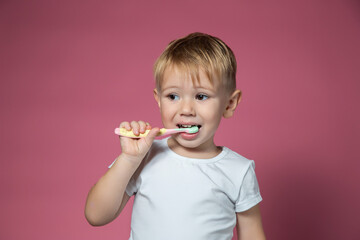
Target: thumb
[{"x": 151, "y": 136}]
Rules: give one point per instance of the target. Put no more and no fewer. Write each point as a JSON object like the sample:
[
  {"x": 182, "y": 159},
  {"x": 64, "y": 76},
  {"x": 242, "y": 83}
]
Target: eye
[
  {"x": 201, "y": 97},
  {"x": 173, "y": 97}
]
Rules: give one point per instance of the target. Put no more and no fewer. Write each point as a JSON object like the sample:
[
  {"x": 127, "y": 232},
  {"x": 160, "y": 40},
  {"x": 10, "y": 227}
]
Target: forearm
[{"x": 105, "y": 197}]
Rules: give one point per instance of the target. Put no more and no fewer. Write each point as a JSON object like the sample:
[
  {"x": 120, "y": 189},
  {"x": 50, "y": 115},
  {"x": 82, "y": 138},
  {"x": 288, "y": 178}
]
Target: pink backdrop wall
[{"x": 71, "y": 71}]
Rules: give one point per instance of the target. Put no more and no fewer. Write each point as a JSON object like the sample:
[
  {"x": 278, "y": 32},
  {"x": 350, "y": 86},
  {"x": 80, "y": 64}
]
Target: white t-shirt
[{"x": 190, "y": 199}]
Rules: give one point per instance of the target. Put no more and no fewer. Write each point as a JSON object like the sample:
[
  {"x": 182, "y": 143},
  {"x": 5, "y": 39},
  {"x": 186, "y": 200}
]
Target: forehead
[{"x": 181, "y": 75}]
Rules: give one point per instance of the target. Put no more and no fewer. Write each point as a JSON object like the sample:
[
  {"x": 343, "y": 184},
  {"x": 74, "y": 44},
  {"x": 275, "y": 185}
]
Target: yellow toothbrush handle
[{"x": 125, "y": 133}]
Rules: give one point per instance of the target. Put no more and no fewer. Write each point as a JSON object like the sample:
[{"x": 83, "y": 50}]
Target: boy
[{"x": 185, "y": 186}]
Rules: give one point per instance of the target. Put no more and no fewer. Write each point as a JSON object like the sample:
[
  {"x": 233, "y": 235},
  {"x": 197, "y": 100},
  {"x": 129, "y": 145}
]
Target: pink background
[{"x": 71, "y": 71}]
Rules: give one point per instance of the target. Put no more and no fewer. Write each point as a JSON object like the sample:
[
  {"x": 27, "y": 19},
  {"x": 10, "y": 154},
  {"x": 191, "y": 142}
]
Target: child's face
[{"x": 183, "y": 101}]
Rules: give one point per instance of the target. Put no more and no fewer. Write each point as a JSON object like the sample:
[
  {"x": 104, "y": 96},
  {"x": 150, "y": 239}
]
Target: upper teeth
[{"x": 185, "y": 126}]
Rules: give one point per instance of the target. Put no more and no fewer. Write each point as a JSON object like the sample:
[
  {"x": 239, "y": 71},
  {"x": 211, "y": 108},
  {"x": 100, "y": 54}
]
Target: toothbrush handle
[
  {"x": 125, "y": 133},
  {"x": 163, "y": 132},
  {"x": 166, "y": 132}
]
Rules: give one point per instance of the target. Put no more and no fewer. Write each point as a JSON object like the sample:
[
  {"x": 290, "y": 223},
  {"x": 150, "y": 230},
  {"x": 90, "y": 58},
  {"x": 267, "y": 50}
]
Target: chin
[{"x": 191, "y": 144}]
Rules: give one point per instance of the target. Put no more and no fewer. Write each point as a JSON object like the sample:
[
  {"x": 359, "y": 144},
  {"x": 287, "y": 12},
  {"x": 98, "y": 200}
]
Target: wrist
[{"x": 131, "y": 161}]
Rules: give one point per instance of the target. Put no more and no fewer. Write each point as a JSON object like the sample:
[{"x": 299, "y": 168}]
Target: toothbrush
[{"x": 163, "y": 132}]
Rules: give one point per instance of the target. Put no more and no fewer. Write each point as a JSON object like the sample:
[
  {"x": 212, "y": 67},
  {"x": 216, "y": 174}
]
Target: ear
[
  {"x": 156, "y": 96},
  {"x": 232, "y": 103}
]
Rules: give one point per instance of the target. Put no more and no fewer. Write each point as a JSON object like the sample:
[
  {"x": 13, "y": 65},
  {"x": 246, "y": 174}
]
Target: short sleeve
[
  {"x": 249, "y": 191},
  {"x": 131, "y": 188}
]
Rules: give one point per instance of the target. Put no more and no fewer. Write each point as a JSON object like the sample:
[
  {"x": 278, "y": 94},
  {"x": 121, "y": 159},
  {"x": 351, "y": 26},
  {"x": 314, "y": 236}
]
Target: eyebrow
[
  {"x": 171, "y": 88},
  {"x": 198, "y": 86}
]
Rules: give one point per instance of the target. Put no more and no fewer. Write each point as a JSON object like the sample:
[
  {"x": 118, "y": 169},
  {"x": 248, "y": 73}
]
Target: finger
[
  {"x": 148, "y": 126},
  {"x": 125, "y": 125},
  {"x": 135, "y": 127},
  {"x": 142, "y": 125}
]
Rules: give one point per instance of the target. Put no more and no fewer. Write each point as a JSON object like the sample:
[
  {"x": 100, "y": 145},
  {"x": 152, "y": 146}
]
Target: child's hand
[{"x": 134, "y": 150}]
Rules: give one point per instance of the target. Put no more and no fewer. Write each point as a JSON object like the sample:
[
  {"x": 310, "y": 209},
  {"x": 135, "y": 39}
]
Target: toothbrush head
[{"x": 193, "y": 129}]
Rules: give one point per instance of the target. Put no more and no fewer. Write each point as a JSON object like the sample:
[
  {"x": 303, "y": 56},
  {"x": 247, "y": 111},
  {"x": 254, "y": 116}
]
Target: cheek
[
  {"x": 167, "y": 112},
  {"x": 213, "y": 111}
]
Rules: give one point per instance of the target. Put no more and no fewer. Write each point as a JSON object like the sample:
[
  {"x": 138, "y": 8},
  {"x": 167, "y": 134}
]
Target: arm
[
  {"x": 249, "y": 225},
  {"x": 107, "y": 197}
]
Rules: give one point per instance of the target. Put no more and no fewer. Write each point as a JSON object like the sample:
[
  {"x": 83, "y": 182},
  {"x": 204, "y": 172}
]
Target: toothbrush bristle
[{"x": 193, "y": 129}]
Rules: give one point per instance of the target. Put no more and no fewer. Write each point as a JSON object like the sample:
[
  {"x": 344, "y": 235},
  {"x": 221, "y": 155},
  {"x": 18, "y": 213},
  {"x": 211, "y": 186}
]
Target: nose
[{"x": 187, "y": 108}]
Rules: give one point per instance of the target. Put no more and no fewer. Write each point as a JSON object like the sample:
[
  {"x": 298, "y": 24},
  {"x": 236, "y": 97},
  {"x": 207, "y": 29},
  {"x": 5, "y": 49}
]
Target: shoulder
[
  {"x": 235, "y": 167},
  {"x": 235, "y": 160},
  {"x": 231, "y": 165}
]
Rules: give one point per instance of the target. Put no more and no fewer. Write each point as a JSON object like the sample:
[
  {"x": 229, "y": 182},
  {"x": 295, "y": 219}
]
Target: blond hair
[{"x": 199, "y": 51}]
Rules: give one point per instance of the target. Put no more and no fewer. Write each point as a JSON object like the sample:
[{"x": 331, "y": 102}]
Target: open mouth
[{"x": 187, "y": 126}]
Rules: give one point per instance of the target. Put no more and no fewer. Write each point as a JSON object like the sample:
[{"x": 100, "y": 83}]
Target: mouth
[{"x": 187, "y": 126}]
